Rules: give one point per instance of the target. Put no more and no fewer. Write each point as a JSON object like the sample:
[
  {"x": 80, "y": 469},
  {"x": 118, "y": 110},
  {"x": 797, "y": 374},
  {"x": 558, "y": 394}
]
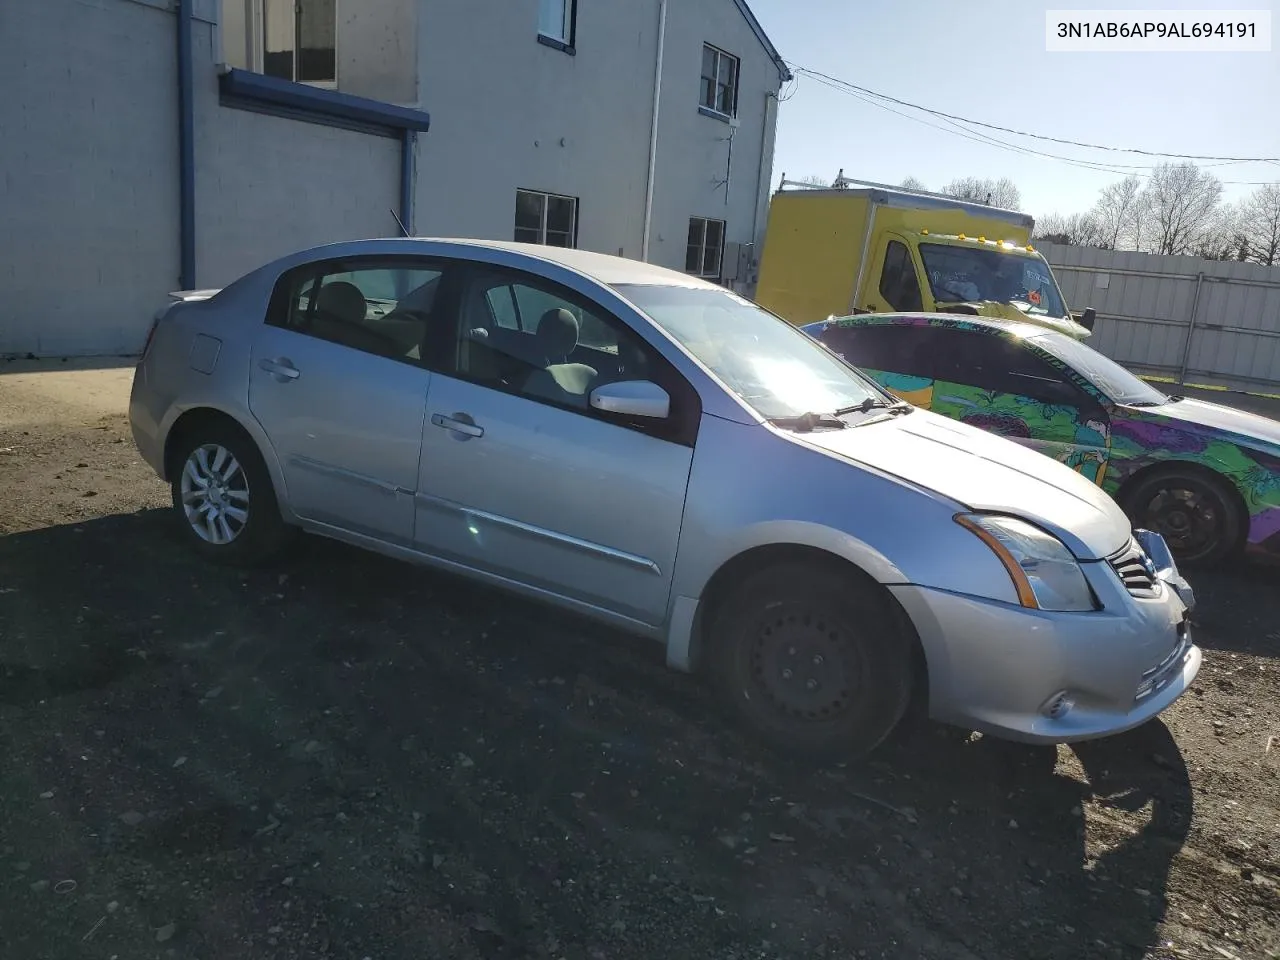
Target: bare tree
[
  {"x": 996, "y": 193},
  {"x": 1078, "y": 229},
  {"x": 1223, "y": 237},
  {"x": 913, "y": 183},
  {"x": 814, "y": 181},
  {"x": 1260, "y": 224},
  {"x": 1119, "y": 213},
  {"x": 1181, "y": 203}
]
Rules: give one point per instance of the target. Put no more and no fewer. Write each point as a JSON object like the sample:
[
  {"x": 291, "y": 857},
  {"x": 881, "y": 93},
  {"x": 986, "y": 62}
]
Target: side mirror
[
  {"x": 632, "y": 398},
  {"x": 1088, "y": 318}
]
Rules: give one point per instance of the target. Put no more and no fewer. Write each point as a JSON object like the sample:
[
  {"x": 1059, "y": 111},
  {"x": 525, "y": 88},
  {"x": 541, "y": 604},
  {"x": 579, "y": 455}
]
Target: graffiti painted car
[{"x": 1205, "y": 476}]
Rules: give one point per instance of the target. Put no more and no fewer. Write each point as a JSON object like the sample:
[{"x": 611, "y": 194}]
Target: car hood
[
  {"x": 985, "y": 473},
  {"x": 1239, "y": 426}
]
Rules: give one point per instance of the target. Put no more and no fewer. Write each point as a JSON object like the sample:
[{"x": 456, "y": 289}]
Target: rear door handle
[
  {"x": 281, "y": 369},
  {"x": 465, "y": 427}
]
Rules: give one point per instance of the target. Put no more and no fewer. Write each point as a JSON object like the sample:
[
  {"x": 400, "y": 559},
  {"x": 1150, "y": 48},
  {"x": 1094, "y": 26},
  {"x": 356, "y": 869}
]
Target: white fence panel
[{"x": 1195, "y": 320}]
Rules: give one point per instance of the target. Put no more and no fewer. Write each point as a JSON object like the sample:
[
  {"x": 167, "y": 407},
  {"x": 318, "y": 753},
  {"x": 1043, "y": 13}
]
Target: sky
[{"x": 986, "y": 60}]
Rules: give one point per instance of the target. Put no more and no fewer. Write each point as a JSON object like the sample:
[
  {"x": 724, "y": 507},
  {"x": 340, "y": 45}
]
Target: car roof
[
  {"x": 954, "y": 321},
  {"x": 603, "y": 268}
]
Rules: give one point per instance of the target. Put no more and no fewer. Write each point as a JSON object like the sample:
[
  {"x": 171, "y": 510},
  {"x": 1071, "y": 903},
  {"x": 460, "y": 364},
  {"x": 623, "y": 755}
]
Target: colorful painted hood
[{"x": 1227, "y": 423}]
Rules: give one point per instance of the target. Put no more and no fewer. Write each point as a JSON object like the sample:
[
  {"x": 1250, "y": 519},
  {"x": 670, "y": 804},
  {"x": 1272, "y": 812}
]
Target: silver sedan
[{"x": 658, "y": 453}]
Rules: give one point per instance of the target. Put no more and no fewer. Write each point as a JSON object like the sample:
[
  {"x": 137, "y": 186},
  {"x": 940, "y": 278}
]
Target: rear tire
[
  {"x": 1196, "y": 512},
  {"x": 811, "y": 660},
  {"x": 223, "y": 499}
]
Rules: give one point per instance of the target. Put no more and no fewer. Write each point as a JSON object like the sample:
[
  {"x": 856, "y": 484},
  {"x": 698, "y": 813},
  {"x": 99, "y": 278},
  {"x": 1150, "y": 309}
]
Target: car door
[
  {"x": 891, "y": 353},
  {"x": 997, "y": 382},
  {"x": 522, "y": 479},
  {"x": 339, "y": 382}
]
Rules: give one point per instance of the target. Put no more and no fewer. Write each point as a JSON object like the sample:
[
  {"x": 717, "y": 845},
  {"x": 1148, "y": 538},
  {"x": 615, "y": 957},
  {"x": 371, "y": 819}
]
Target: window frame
[
  {"x": 256, "y": 40},
  {"x": 680, "y": 426},
  {"x": 713, "y": 109},
  {"x": 832, "y": 335},
  {"x": 445, "y": 304},
  {"x": 906, "y": 268},
  {"x": 542, "y": 227},
  {"x": 1009, "y": 382},
  {"x": 702, "y": 249},
  {"x": 568, "y": 43}
]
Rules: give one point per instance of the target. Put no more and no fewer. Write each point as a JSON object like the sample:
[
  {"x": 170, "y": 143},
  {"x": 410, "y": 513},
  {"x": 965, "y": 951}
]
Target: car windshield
[
  {"x": 775, "y": 368},
  {"x": 959, "y": 274},
  {"x": 1103, "y": 372}
]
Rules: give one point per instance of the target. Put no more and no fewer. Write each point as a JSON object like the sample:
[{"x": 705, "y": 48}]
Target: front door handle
[
  {"x": 459, "y": 423},
  {"x": 280, "y": 368}
]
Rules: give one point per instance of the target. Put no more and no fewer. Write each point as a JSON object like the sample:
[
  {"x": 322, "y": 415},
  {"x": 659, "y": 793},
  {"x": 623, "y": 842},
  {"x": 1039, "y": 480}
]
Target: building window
[
  {"x": 546, "y": 218},
  {"x": 556, "y": 20},
  {"x": 706, "y": 248},
  {"x": 293, "y": 39},
  {"x": 719, "y": 81}
]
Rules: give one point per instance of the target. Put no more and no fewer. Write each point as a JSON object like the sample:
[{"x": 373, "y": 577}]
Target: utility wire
[
  {"x": 818, "y": 75},
  {"x": 855, "y": 91}
]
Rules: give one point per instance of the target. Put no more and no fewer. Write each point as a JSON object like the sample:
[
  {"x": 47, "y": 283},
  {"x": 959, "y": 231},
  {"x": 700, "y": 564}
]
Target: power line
[
  {"x": 857, "y": 92},
  {"x": 818, "y": 75}
]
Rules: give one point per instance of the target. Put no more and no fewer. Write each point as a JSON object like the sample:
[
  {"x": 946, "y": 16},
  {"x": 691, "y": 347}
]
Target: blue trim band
[
  {"x": 316, "y": 104},
  {"x": 186, "y": 153},
  {"x": 407, "y": 171}
]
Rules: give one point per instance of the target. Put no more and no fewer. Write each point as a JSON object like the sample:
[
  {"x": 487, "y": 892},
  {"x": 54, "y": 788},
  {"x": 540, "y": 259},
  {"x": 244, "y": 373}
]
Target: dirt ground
[{"x": 346, "y": 757}]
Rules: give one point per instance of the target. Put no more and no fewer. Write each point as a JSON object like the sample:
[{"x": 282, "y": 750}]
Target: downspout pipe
[
  {"x": 408, "y": 154},
  {"x": 186, "y": 152},
  {"x": 653, "y": 133}
]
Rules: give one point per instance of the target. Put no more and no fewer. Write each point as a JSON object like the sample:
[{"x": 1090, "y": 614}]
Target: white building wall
[
  {"x": 88, "y": 173},
  {"x": 89, "y": 229},
  {"x": 508, "y": 112},
  {"x": 89, "y": 244}
]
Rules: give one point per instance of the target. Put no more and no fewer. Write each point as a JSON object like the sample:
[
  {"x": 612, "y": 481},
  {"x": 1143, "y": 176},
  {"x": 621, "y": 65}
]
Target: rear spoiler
[{"x": 187, "y": 296}]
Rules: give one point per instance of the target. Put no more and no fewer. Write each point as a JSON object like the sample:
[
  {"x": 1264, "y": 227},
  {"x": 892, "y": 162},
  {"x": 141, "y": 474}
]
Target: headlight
[{"x": 1044, "y": 573}]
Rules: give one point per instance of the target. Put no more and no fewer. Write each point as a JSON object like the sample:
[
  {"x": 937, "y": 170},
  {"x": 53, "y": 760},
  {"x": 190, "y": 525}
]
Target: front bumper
[{"x": 1010, "y": 671}]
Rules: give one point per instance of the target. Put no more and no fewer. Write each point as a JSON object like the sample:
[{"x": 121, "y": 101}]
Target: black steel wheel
[
  {"x": 1194, "y": 511},
  {"x": 811, "y": 659}
]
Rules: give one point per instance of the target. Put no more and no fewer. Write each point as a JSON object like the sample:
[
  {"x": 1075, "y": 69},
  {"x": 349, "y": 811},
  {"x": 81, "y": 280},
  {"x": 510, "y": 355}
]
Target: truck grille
[{"x": 1131, "y": 566}]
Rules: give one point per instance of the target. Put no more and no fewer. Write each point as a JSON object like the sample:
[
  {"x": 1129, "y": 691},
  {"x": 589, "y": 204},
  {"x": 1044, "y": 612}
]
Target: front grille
[{"x": 1131, "y": 566}]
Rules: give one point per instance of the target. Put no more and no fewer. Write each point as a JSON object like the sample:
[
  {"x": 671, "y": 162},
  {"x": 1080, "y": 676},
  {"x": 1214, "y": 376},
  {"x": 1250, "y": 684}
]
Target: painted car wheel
[
  {"x": 811, "y": 660},
  {"x": 1196, "y": 515}
]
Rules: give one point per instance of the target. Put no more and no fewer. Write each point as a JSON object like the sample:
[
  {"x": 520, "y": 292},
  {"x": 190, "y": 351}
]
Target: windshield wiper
[
  {"x": 874, "y": 403},
  {"x": 806, "y": 422}
]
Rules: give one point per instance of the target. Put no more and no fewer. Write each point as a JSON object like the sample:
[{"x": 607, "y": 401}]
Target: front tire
[
  {"x": 812, "y": 660},
  {"x": 223, "y": 499},
  {"x": 1195, "y": 512}
]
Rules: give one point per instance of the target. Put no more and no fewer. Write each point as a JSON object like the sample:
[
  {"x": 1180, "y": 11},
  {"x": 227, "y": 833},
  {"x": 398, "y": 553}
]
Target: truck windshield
[
  {"x": 960, "y": 274},
  {"x": 775, "y": 368}
]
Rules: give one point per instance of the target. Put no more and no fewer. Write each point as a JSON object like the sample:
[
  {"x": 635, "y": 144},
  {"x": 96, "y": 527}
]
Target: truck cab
[{"x": 841, "y": 251}]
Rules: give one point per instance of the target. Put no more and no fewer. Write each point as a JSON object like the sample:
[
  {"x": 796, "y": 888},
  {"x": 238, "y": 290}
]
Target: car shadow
[
  {"x": 599, "y": 793},
  {"x": 1236, "y": 608}
]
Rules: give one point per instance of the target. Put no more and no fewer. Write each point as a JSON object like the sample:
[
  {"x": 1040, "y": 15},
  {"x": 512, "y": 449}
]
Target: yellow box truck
[{"x": 861, "y": 247}]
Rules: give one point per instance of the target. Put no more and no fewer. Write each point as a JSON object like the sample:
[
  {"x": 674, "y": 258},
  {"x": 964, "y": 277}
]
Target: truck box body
[{"x": 831, "y": 252}]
